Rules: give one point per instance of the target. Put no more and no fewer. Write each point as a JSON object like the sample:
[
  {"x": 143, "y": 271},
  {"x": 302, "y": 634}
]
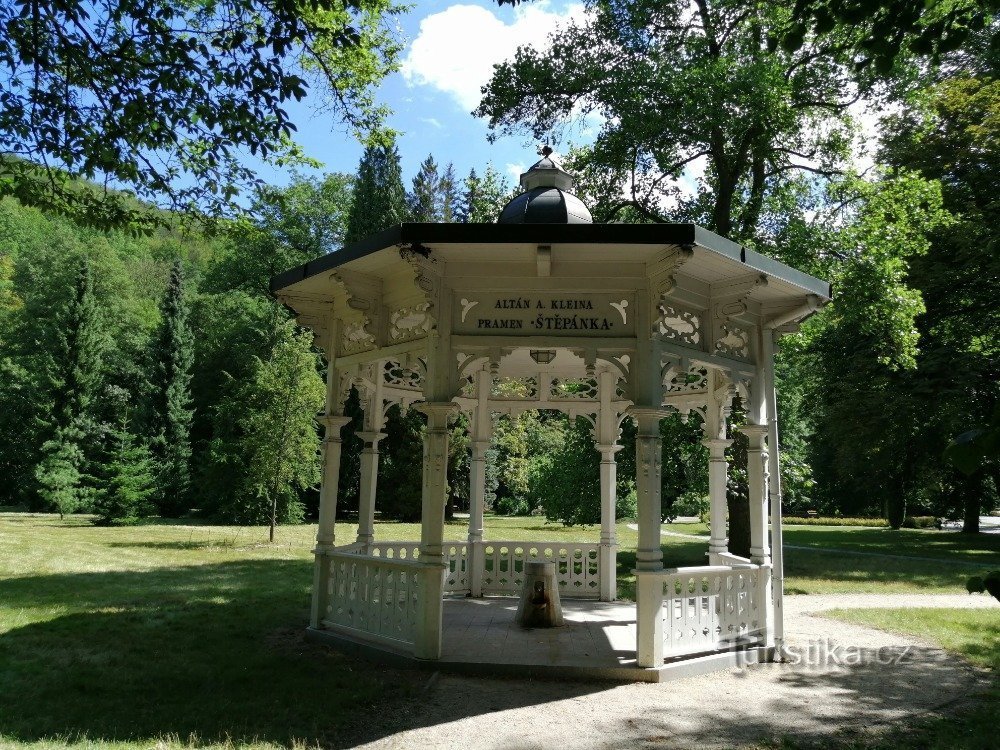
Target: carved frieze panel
[
  {"x": 678, "y": 325},
  {"x": 408, "y": 323},
  {"x": 733, "y": 341},
  {"x": 585, "y": 389},
  {"x": 397, "y": 375},
  {"x": 693, "y": 380},
  {"x": 355, "y": 337}
]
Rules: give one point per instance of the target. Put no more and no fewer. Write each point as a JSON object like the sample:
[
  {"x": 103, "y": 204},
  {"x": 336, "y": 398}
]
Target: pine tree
[
  {"x": 129, "y": 482},
  {"x": 173, "y": 355},
  {"x": 451, "y": 199},
  {"x": 74, "y": 377},
  {"x": 424, "y": 201},
  {"x": 379, "y": 196}
]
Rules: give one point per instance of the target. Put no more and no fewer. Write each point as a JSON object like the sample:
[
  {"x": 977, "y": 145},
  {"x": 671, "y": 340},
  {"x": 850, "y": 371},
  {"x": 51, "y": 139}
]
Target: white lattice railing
[
  {"x": 578, "y": 567},
  {"x": 373, "y": 597},
  {"x": 456, "y": 558},
  {"x": 708, "y": 608}
]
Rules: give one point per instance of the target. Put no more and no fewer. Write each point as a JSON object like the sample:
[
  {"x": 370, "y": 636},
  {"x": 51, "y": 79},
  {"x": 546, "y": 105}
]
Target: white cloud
[
  {"x": 432, "y": 121},
  {"x": 516, "y": 170},
  {"x": 456, "y": 49}
]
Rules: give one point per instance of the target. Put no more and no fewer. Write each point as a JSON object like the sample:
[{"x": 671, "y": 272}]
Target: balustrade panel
[
  {"x": 578, "y": 566},
  {"x": 375, "y": 597},
  {"x": 706, "y": 609}
]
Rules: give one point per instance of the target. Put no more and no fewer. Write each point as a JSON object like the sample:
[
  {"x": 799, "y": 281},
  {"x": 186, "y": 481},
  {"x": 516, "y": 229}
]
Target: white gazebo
[{"x": 547, "y": 310}]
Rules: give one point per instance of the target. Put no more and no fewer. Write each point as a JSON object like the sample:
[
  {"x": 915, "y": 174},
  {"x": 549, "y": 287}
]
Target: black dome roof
[
  {"x": 545, "y": 205},
  {"x": 547, "y": 198}
]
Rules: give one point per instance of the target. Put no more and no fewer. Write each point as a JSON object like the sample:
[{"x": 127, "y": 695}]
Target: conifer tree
[
  {"x": 379, "y": 195},
  {"x": 173, "y": 355},
  {"x": 451, "y": 199},
  {"x": 424, "y": 200},
  {"x": 129, "y": 482},
  {"x": 74, "y": 377}
]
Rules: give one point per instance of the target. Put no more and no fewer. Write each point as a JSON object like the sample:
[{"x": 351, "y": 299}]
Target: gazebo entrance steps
[{"x": 480, "y": 637}]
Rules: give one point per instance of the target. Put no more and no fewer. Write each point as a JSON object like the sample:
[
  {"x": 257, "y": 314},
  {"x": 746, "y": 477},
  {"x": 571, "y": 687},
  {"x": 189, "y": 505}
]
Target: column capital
[
  {"x": 647, "y": 417},
  {"x": 716, "y": 443},
  {"x": 753, "y": 430},
  {"x": 333, "y": 422},
  {"x": 371, "y": 437},
  {"x": 439, "y": 410},
  {"x": 612, "y": 449}
]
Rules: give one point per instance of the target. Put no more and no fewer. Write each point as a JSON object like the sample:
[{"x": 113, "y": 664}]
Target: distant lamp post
[{"x": 543, "y": 356}]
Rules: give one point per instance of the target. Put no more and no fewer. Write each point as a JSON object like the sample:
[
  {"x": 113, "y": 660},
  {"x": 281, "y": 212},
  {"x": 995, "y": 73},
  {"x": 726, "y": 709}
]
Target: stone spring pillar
[
  {"x": 649, "y": 556},
  {"x": 435, "y": 488}
]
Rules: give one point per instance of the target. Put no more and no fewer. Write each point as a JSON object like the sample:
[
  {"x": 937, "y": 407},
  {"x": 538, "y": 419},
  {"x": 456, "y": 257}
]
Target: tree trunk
[{"x": 973, "y": 500}]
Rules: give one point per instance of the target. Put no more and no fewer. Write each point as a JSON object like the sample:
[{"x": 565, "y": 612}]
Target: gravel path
[{"x": 848, "y": 679}]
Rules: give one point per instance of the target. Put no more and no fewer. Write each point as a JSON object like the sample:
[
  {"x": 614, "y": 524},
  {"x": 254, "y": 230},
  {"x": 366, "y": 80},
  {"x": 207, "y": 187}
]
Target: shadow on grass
[
  {"x": 210, "y": 651},
  {"x": 190, "y": 545}
]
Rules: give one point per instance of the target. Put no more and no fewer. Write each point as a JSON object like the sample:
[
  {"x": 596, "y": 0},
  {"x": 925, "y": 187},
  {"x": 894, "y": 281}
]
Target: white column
[
  {"x": 435, "y": 489},
  {"x": 368, "y": 487},
  {"x": 606, "y": 432},
  {"x": 325, "y": 533},
  {"x": 609, "y": 541},
  {"x": 777, "y": 623},
  {"x": 481, "y": 429},
  {"x": 718, "y": 542},
  {"x": 649, "y": 556}
]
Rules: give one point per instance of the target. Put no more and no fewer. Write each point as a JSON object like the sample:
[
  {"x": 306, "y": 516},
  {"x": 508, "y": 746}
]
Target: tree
[
  {"x": 58, "y": 474},
  {"x": 483, "y": 198},
  {"x": 932, "y": 27},
  {"x": 424, "y": 201},
  {"x": 129, "y": 482},
  {"x": 266, "y": 448},
  {"x": 173, "y": 357},
  {"x": 678, "y": 84},
  {"x": 953, "y": 136},
  {"x": 450, "y": 198},
  {"x": 379, "y": 196},
  {"x": 165, "y": 97}
]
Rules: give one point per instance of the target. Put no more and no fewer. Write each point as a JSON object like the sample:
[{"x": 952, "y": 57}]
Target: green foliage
[
  {"x": 675, "y": 84},
  {"x": 401, "y": 452},
  {"x": 166, "y": 96},
  {"x": 173, "y": 357},
  {"x": 266, "y": 447},
  {"x": 919, "y": 522},
  {"x": 379, "y": 196},
  {"x": 932, "y": 27},
  {"x": 58, "y": 473},
  {"x": 987, "y": 583},
  {"x": 129, "y": 483},
  {"x": 424, "y": 201},
  {"x": 484, "y": 197}
]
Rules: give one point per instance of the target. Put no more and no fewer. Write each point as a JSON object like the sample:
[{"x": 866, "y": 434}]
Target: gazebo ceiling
[{"x": 499, "y": 249}]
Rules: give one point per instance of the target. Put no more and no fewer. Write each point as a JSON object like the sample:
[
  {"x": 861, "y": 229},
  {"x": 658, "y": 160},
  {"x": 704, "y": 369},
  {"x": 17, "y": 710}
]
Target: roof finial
[{"x": 545, "y": 150}]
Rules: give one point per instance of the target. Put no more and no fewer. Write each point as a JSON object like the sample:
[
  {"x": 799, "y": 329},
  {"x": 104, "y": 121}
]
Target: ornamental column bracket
[
  {"x": 364, "y": 305},
  {"x": 427, "y": 274},
  {"x": 664, "y": 280}
]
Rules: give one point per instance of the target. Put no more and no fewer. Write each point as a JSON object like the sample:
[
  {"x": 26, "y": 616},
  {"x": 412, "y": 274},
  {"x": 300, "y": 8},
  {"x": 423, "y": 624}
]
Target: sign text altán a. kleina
[{"x": 545, "y": 314}]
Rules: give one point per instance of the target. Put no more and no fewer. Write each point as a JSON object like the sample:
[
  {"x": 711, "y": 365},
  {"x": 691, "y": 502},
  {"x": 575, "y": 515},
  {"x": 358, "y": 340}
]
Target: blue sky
[{"x": 449, "y": 52}]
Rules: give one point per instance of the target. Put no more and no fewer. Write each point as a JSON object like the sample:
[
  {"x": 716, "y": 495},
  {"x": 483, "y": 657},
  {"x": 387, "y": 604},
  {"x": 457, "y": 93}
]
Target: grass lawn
[
  {"x": 169, "y": 631},
  {"x": 972, "y": 633}
]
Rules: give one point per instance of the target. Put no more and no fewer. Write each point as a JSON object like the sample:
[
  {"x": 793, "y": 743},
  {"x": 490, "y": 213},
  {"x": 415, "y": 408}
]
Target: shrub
[
  {"x": 920, "y": 522},
  {"x": 690, "y": 504},
  {"x": 835, "y": 521}
]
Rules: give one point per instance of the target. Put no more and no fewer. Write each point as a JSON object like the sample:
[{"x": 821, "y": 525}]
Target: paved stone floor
[{"x": 597, "y": 635}]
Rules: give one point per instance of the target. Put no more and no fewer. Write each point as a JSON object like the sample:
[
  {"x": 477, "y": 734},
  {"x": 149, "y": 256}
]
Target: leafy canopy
[{"x": 163, "y": 97}]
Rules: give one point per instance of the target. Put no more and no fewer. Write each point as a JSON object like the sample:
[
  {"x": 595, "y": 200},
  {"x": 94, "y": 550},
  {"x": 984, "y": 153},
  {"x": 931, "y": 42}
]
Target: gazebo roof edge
[{"x": 624, "y": 234}]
